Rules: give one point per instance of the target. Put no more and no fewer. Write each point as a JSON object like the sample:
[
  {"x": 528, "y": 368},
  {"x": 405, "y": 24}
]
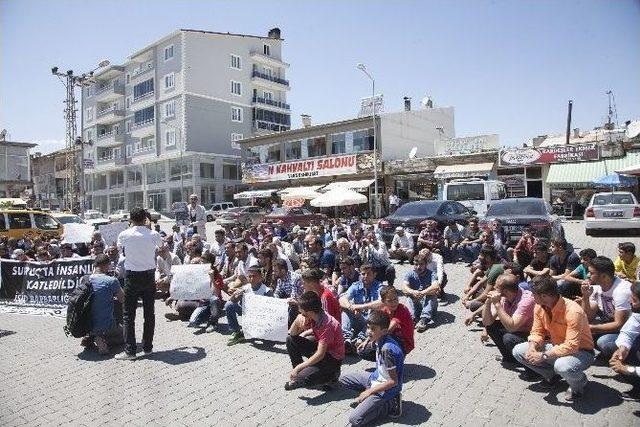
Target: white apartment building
[{"x": 165, "y": 123}]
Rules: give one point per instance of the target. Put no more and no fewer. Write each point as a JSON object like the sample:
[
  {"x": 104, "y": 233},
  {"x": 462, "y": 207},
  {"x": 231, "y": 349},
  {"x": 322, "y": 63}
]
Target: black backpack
[{"x": 79, "y": 309}]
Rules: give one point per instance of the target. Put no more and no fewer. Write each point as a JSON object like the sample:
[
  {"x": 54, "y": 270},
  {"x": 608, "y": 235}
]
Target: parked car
[
  {"x": 413, "y": 215},
  {"x": 618, "y": 210},
  {"x": 217, "y": 209},
  {"x": 294, "y": 216},
  {"x": 120, "y": 215},
  {"x": 518, "y": 213},
  {"x": 245, "y": 216},
  {"x": 67, "y": 218},
  {"x": 95, "y": 218}
]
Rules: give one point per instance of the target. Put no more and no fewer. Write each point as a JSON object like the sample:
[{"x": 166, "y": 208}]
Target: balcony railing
[
  {"x": 274, "y": 127},
  {"x": 142, "y": 69},
  {"x": 144, "y": 149},
  {"x": 112, "y": 109},
  {"x": 270, "y": 78},
  {"x": 143, "y": 96},
  {"x": 271, "y": 102},
  {"x": 108, "y": 158},
  {"x": 109, "y": 134},
  {"x": 111, "y": 87},
  {"x": 147, "y": 122}
]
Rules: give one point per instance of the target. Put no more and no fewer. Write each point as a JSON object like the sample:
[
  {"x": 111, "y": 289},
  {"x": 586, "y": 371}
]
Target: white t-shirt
[
  {"x": 403, "y": 242},
  {"x": 262, "y": 290},
  {"x": 139, "y": 245},
  {"x": 616, "y": 298}
]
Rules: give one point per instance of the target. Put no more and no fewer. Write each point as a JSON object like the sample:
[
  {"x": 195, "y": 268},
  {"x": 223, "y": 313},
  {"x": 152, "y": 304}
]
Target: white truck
[{"x": 475, "y": 193}]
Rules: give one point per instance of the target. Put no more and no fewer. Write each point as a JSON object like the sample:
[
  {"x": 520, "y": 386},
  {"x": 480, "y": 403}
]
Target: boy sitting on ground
[{"x": 380, "y": 390}]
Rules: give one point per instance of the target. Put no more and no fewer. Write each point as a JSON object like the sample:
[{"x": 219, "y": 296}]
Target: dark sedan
[
  {"x": 294, "y": 216},
  {"x": 516, "y": 214},
  {"x": 412, "y": 216}
]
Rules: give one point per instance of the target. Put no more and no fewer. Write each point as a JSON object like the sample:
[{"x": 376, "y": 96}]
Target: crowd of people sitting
[{"x": 546, "y": 308}]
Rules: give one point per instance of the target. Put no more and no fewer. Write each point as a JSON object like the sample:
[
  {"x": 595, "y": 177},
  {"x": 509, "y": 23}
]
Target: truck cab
[{"x": 476, "y": 194}]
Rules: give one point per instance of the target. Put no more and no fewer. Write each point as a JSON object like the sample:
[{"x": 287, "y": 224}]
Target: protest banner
[
  {"x": 190, "y": 282},
  {"x": 111, "y": 231},
  {"x": 265, "y": 318},
  {"x": 32, "y": 283},
  {"x": 77, "y": 233}
]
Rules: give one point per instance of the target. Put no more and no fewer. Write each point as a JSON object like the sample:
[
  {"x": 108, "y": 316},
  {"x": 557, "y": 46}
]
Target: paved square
[{"x": 451, "y": 378}]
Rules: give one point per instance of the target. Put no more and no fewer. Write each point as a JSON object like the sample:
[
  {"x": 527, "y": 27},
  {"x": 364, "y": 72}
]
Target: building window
[
  {"x": 129, "y": 126},
  {"x": 175, "y": 166},
  {"x": 236, "y": 88},
  {"x": 89, "y": 114},
  {"x": 89, "y": 91},
  {"x": 338, "y": 143},
  {"x": 156, "y": 173},
  {"x": 230, "y": 171},
  {"x": 363, "y": 140},
  {"x": 170, "y": 138},
  {"x": 266, "y": 49},
  {"x": 142, "y": 89},
  {"x": 273, "y": 153},
  {"x": 317, "y": 147},
  {"x": 292, "y": 150},
  {"x": 236, "y": 62},
  {"x": 128, "y": 151},
  {"x": 169, "y": 80},
  {"x": 207, "y": 170},
  {"x": 127, "y": 78},
  {"x": 127, "y": 102},
  {"x": 168, "y": 53},
  {"x": 146, "y": 115},
  {"x": 236, "y": 114},
  {"x": 143, "y": 145},
  {"x": 134, "y": 176},
  {"x": 170, "y": 109},
  {"x": 236, "y": 137}
]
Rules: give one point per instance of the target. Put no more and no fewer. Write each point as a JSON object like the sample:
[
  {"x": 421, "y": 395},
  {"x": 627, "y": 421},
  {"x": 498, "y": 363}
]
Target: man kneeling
[
  {"x": 324, "y": 351},
  {"x": 380, "y": 390}
]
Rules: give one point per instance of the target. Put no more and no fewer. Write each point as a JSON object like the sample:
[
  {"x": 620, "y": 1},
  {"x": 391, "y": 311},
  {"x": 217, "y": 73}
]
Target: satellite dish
[
  {"x": 427, "y": 102},
  {"x": 412, "y": 153}
]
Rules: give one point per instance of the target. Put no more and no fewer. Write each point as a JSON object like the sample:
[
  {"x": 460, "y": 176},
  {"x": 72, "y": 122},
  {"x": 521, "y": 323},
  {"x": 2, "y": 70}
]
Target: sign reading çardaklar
[
  {"x": 326, "y": 166},
  {"x": 551, "y": 154}
]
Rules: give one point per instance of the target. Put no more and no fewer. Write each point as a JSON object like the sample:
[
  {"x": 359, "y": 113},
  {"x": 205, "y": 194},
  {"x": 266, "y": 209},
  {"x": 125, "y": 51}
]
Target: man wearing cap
[
  {"x": 402, "y": 246},
  {"x": 197, "y": 216}
]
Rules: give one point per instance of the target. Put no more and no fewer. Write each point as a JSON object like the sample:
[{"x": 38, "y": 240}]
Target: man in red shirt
[
  {"x": 401, "y": 325},
  {"x": 311, "y": 282},
  {"x": 324, "y": 354}
]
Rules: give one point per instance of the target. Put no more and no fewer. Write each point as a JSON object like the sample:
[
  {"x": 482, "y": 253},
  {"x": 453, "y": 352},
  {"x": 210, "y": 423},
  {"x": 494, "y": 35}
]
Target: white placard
[
  {"x": 77, "y": 233},
  {"x": 111, "y": 231},
  {"x": 190, "y": 282},
  {"x": 265, "y": 318}
]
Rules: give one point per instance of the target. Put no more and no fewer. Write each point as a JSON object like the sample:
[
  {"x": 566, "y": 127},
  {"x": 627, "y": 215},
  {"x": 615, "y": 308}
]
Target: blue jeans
[
  {"x": 373, "y": 407},
  {"x": 353, "y": 326},
  {"x": 206, "y": 313},
  {"x": 607, "y": 344},
  {"x": 423, "y": 308},
  {"x": 470, "y": 252},
  {"x": 571, "y": 368},
  {"x": 233, "y": 310}
]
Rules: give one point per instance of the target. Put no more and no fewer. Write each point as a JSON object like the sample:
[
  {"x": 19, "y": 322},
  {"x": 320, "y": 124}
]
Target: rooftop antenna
[{"x": 612, "y": 112}]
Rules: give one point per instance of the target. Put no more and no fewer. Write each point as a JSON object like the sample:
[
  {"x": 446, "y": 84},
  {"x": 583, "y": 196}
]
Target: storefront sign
[
  {"x": 471, "y": 144},
  {"x": 552, "y": 154},
  {"x": 326, "y": 166}
]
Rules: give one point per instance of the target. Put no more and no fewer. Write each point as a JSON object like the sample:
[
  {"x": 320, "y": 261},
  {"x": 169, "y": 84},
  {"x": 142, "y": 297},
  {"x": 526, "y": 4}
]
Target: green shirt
[
  {"x": 493, "y": 273},
  {"x": 583, "y": 273}
]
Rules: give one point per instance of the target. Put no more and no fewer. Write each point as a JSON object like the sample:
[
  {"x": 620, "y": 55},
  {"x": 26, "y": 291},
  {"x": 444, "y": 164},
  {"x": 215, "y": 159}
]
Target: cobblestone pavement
[{"x": 451, "y": 378}]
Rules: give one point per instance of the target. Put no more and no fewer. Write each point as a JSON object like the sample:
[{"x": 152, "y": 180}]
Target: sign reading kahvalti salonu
[{"x": 325, "y": 166}]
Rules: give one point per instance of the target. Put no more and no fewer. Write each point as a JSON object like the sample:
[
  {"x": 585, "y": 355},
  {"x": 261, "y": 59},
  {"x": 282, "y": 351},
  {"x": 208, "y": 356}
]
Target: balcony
[
  {"x": 142, "y": 70},
  {"x": 143, "y": 97},
  {"x": 144, "y": 128},
  {"x": 109, "y": 92},
  {"x": 261, "y": 125},
  {"x": 272, "y": 103},
  {"x": 109, "y": 115},
  {"x": 110, "y": 138},
  {"x": 269, "y": 81},
  {"x": 267, "y": 60}
]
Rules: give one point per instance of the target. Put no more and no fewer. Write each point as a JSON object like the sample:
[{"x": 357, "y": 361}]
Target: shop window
[
  {"x": 317, "y": 147},
  {"x": 534, "y": 173}
]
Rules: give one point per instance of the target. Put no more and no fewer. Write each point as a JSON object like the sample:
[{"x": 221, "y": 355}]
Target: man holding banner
[{"x": 138, "y": 245}]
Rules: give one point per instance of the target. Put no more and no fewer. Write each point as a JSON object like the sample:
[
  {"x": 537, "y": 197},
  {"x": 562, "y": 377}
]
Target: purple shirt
[{"x": 522, "y": 305}]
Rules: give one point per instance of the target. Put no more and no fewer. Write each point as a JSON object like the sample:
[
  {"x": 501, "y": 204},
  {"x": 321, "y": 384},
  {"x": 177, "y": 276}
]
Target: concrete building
[
  {"x": 340, "y": 154},
  {"x": 50, "y": 174},
  {"x": 166, "y": 123},
  {"x": 15, "y": 168}
]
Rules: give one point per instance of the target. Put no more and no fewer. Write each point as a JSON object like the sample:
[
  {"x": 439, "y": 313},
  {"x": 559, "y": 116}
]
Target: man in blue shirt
[
  {"x": 421, "y": 289},
  {"x": 360, "y": 298},
  {"x": 105, "y": 331},
  {"x": 381, "y": 390}
]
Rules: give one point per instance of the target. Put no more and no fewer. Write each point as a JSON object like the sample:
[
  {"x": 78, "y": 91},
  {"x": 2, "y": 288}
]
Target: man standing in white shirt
[
  {"x": 402, "y": 246},
  {"x": 138, "y": 244},
  {"x": 197, "y": 217}
]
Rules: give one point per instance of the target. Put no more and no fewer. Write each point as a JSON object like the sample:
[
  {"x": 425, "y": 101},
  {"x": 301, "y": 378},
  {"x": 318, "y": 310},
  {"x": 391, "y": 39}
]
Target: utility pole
[
  {"x": 570, "y": 107},
  {"x": 74, "y": 184}
]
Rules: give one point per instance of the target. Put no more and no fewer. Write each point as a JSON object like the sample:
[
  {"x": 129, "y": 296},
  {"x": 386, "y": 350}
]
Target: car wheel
[{"x": 209, "y": 218}]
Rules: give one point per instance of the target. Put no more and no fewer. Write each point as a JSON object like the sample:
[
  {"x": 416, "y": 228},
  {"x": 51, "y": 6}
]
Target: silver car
[
  {"x": 617, "y": 210},
  {"x": 245, "y": 216}
]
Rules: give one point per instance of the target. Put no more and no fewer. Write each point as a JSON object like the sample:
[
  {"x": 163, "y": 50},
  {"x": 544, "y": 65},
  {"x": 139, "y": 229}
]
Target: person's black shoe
[
  {"x": 350, "y": 348},
  {"x": 292, "y": 385},
  {"x": 633, "y": 394},
  {"x": 529, "y": 375}
]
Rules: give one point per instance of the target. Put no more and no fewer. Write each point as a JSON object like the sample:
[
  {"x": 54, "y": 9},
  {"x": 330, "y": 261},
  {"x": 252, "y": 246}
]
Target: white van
[
  {"x": 475, "y": 193},
  {"x": 217, "y": 209}
]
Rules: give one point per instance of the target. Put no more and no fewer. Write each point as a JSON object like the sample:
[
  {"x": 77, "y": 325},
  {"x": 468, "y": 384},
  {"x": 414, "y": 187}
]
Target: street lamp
[
  {"x": 376, "y": 204},
  {"x": 166, "y": 122}
]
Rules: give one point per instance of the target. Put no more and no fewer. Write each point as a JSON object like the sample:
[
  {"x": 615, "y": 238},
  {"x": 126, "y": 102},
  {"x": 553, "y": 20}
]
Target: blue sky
[{"x": 508, "y": 67}]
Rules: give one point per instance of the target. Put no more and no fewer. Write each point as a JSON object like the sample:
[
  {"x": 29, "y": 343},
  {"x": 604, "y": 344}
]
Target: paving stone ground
[{"x": 451, "y": 378}]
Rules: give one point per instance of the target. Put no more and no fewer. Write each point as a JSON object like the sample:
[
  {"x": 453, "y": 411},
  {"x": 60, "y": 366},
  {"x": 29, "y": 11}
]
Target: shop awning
[
  {"x": 308, "y": 192},
  {"x": 463, "y": 170},
  {"x": 584, "y": 173},
  {"x": 358, "y": 185},
  {"x": 254, "y": 194},
  {"x": 629, "y": 170}
]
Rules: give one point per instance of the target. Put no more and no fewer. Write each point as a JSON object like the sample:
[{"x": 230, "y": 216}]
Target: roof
[
  {"x": 19, "y": 144},
  {"x": 596, "y": 135},
  {"x": 582, "y": 174}
]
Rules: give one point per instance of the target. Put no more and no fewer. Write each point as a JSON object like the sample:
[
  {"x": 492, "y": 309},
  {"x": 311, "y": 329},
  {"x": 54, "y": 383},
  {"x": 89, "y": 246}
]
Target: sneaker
[
  {"x": 349, "y": 348},
  {"x": 87, "y": 342},
  {"x": 210, "y": 328},
  {"x": 147, "y": 352},
  {"x": 395, "y": 406},
  {"x": 236, "y": 338},
  {"x": 125, "y": 356},
  {"x": 292, "y": 385},
  {"x": 421, "y": 326},
  {"x": 633, "y": 394},
  {"x": 193, "y": 325},
  {"x": 571, "y": 396}
]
